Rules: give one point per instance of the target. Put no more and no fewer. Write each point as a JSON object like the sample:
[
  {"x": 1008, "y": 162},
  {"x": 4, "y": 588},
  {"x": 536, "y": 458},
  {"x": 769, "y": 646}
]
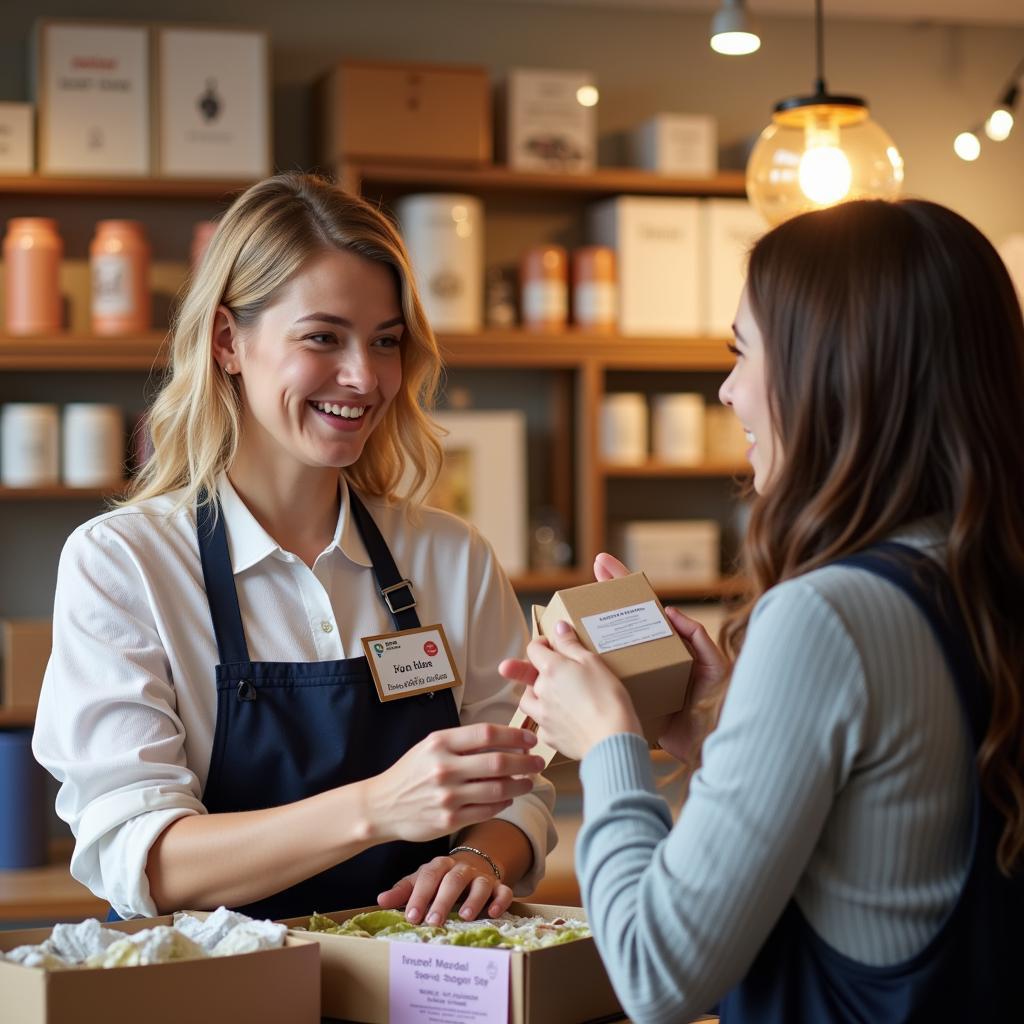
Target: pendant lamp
[{"x": 820, "y": 150}]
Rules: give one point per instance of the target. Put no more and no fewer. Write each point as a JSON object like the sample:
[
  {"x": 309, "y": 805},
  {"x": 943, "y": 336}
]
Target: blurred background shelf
[
  {"x": 48, "y": 893},
  {"x": 61, "y": 493},
  {"x": 665, "y": 470},
  {"x": 120, "y": 188}
]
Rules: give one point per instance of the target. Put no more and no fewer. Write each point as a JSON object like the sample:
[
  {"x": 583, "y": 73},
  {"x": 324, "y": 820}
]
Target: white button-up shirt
[{"x": 128, "y": 706}]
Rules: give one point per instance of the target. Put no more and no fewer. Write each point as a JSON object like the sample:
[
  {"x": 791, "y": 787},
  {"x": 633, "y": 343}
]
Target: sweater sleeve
[{"x": 679, "y": 913}]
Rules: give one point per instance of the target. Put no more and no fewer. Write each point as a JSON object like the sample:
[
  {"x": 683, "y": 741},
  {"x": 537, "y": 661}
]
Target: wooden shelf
[
  {"x": 729, "y": 586},
  {"x": 504, "y": 347},
  {"x": 121, "y": 188},
  {"x": 547, "y": 582},
  {"x": 47, "y": 893},
  {"x": 61, "y": 493},
  {"x": 658, "y": 470},
  {"x": 17, "y": 718},
  {"x": 490, "y": 178},
  {"x": 83, "y": 352}
]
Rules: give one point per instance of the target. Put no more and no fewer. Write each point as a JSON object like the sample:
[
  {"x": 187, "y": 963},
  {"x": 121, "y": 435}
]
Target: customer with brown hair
[
  {"x": 208, "y": 707},
  {"x": 852, "y": 845}
]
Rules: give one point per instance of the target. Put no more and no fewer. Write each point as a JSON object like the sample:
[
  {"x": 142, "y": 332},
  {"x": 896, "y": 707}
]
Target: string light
[{"x": 998, "y": 124}]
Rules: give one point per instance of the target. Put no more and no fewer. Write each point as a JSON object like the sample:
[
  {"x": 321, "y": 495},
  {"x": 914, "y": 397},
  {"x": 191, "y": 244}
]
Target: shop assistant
[{"x": 208, "y": 708}]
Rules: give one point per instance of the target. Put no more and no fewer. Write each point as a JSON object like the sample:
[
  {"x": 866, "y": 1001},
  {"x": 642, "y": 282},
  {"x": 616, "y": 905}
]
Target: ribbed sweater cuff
[{"x": 618, "y": 764}]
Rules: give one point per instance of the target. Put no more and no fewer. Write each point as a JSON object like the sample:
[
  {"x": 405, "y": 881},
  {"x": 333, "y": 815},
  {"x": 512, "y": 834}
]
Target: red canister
[{"x": 32, "y": 255}]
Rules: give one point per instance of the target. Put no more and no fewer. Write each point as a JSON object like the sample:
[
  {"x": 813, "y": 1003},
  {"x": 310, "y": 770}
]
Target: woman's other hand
[
  {"x": 453, "y": 778},
  {"x": 571, "y": 694},
  {"x": 438, "y": 885}
]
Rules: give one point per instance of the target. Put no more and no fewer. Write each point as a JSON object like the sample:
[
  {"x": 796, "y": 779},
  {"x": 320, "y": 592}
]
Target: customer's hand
[
  {"x": 453, "y": 778},
  {"x": 570, "y": 693},
  {"x": 438, "y": 884},
  {"x": 686, "y": 729}
]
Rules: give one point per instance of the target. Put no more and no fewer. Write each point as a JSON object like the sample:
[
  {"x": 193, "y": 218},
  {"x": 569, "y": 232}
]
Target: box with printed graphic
[{"x": 623, "y": 621}]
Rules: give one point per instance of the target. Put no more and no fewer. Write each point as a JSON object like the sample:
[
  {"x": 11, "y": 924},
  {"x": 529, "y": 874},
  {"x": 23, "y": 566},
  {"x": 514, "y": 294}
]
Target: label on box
[
  {"x": 625, "y": 627},
  {"x": 440, "y": 984},
  {"x": 410, "y": 662}
]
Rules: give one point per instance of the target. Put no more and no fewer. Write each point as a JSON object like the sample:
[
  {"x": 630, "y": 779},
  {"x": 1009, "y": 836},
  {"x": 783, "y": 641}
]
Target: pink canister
[
  {"x": 119, "y": 259},
  {"x": 32, "y": 255}
]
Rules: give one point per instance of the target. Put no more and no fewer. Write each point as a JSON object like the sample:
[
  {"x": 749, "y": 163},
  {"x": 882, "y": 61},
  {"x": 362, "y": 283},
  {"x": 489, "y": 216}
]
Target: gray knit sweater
[{"x": 839, "y": 775}]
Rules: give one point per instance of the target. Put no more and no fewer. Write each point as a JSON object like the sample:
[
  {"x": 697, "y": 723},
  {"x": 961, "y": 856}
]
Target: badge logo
[
  {"x": 430, "y": 648},
  {"x": 378, "y": 650}
]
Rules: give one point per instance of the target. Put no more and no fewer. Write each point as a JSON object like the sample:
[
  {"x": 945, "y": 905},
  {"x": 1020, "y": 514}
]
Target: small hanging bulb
[
  {"x": 824, "y": 173},
  {"x": 999, "y": 124},
  {"x": 731, "y": 31},
  {"x": 967, "y": 146}
]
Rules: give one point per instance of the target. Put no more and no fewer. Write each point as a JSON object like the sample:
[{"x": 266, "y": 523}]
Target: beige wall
[{"x": 924, "y": 82}]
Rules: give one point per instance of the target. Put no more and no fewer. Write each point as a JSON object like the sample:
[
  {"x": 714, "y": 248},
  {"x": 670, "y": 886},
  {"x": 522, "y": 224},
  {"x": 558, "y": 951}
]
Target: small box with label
[
  {"x": 17, "y": 139},
  {"x": 547, "y": 121},
  {"x": 623, "y": 621},
  {"x": 656, "y": 242},
  {"x": 673, "y": 551},
  {"x": 680, "y": 144},
  {"x": 729, "y": 228}
]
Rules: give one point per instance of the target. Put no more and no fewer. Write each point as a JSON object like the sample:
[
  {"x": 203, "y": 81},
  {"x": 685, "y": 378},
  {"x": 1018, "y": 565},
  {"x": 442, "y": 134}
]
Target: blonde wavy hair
[{"x": 267, "y": 236}]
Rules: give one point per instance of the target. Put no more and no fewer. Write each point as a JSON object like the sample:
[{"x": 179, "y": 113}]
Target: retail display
[
  {"x": 544, "y": 284},
  {"x": 443, "y": 233},
  {"x": 32, "y": 253},
  {"x": 119, "y": 263},
  {"x": 624, "y": 428},
  {"x": 93, "y": 445},
  {"x": 674, "y": 551},
  {"x": 729, "y": 228},
  {"x": 509, "y": 931},
  {"x": 677, "y": 428}
]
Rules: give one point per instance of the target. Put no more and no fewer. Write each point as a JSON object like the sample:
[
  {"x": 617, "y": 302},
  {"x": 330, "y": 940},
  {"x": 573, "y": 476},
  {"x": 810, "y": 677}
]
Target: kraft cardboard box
[
  {"x": 268, "y": 987},
  {"x": 396, "y": 111},
  {"x": 24, "y": 652},
  {"x": 564, "y": 984},
  {"x": 623, "y": 621}
]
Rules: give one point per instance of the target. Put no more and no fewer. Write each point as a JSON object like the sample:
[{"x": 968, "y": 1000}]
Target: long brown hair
[{"x": 894, "y": 353}]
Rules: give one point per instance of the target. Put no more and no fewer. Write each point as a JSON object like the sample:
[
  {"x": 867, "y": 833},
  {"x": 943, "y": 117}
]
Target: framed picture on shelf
[
  {"x": 92, "y": 94},
  {"x": 213, "y": 102},
  {"x": 483, "y": 479}
]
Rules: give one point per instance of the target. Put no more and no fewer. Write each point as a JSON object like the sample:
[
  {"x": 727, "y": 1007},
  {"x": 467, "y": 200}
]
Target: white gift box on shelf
[
  {"x": 657, "y": 253},
  {"x": 213, "y": 101},
  {"x": 671, "y": 551},
  {"x": 543, "y": 126},
  {"x": 729, "y": 227},
  {"x": 680, "y": 144},
  {"x": 93, "y": 100},
  {"x": 17, "y": 140}
]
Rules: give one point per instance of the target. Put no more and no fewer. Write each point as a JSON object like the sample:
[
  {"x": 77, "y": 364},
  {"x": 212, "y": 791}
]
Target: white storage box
[
  {"x": 17, "y": 139},
  {"x": 681, "y": 144},
  {"x": 657, "y": 247},
  {"x": 543, "y": 126},
  {"x": 729, "y": 227},
  {"x": 673, "y": 551}
]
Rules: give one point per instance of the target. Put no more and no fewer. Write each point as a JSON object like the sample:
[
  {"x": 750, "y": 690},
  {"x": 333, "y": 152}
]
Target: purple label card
[{"x": 436, "y": 984}]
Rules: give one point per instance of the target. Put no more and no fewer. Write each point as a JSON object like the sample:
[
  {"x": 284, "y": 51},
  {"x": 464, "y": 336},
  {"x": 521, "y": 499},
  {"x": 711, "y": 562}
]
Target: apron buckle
[
  {"x": 386, "y": 593},
  {"x": 246, "y": 691}
]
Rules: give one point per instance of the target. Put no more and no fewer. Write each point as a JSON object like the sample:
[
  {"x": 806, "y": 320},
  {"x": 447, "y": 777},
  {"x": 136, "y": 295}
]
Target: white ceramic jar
[
  {"x": 624, "y": 428},
  {"x": 94, "y": 445},
  {"x": 677, "y": 428},
  {"x": 29, "y": 445}
]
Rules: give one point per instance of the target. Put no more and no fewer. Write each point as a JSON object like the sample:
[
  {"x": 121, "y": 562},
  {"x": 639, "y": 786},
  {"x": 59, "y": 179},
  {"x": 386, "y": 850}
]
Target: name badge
[{"x": 411, "y": 661}]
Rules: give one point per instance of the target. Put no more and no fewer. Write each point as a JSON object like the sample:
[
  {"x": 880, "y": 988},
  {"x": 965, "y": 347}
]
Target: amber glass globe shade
[{"x": 815, "y": 155}]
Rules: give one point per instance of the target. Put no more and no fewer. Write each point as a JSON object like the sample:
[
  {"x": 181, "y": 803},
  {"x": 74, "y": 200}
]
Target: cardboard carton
[
  {"x": 559, "y": 985},
  {"x": 396, "y": 111},
  {"x": 623, "y": 621},
  {"x": 268, "y": 987},
  {"x": 24, "y": 651}
]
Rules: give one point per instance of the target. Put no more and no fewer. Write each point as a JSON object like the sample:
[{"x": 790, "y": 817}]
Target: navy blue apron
[
  {"x": 289, "y": 730},
  {"x": 973, "y": 969}
]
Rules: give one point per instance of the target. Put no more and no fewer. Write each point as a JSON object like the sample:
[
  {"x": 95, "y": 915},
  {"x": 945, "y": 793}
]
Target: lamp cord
[{"x": 819, "y": 33}]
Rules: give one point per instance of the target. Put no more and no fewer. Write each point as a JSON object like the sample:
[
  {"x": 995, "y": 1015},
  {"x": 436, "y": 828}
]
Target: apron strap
[
  {"x": 395, "y": 590},
  {"x": 220, "y": 583}
]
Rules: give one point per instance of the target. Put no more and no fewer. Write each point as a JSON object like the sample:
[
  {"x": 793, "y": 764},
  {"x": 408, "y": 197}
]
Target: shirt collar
[{"x": 249, "y": 543}]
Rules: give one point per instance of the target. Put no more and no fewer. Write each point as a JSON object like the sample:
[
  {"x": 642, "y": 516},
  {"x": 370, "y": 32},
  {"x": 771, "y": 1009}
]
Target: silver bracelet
[{"x": 479, "y": 853}]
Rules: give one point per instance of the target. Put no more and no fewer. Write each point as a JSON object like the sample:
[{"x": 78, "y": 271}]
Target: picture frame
[
  {"x": 93, "y": 96},
  {"x": 212, "y": 102},
  {"x": 483, "y": 479}
]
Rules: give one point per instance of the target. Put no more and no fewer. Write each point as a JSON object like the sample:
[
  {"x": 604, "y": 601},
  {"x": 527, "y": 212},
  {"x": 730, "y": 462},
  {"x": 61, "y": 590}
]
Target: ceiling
[{"x": 977, "y": 12}]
